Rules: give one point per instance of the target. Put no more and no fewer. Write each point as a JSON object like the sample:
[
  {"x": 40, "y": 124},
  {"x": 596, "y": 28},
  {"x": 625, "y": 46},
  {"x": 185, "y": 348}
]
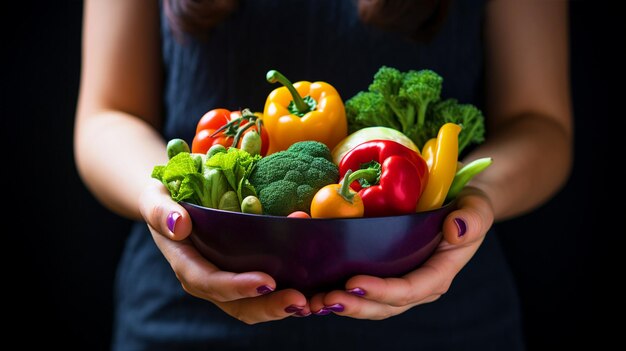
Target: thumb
[
  {"x": 162, "y": 213},
  {"x": 471, "y": 220}
]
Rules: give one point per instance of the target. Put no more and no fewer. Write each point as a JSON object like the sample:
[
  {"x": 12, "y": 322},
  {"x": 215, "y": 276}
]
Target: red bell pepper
[{"x": 398, "y": 181}]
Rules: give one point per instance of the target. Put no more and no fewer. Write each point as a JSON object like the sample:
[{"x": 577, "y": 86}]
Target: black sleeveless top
[{"x": 325, "y": 41}]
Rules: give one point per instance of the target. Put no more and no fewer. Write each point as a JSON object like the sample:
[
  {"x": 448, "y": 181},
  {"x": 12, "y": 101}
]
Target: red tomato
[
  {"x": 203, "y": 141},
  {"x": 265, "y": 139},
  {"x": 215, "y": 119},
  {"x": 299, "y": 214}
]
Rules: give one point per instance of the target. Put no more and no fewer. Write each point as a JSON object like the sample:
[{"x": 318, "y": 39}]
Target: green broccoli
[
  {"x": 406, "y": 94},
  {"x": 367, "y": 108},
  {"x": 287, "y": 181},
  {"x": 406, "y": 101},
  {"x": 421, "y": 89},
  {"x": 387, "y": 83},
  {"x": 468, "y": 116}
]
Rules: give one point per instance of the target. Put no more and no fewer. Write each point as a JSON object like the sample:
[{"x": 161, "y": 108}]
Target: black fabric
[{"x": 310, "y": 40}]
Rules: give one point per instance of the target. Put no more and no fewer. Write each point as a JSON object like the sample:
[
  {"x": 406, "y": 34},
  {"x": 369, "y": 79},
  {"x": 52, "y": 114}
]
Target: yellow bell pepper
[
  {"x": 443, "y": 153},
  {"x": 289, "y": 118}
]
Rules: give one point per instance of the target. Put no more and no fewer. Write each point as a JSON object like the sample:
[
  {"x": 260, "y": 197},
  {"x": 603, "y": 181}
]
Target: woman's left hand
[{"x": 368, "y": 297}]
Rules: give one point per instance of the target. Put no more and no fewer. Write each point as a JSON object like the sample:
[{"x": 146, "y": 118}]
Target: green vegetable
[
  {"x": 286, "y": 181},
  {"x": 251, "y": 142},
  {"x": 251, "y": 204},
  {"x": 180, "y": 176},
  {"x": 229, "y": 202},
  {"x": 465, "y": 174},
  {"x": 468, "y": 116},
  {"x": 196, "y": 179},
  {"x": 215, "y": 149},
  {"x": 217, "y": 185},
  {"x": 199, "y": 161},
  {"x": 236, "y": 165},
  {"x": 410, "y": 102},
  {"x": 367, "y": 109},
  {"x": 176, "y": 146}
]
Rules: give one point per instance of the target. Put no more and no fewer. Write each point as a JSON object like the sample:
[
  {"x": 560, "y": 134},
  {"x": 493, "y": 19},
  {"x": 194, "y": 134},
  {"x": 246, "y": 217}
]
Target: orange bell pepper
[
  {"x": 289, "y": 118},
  {"x": 338, "y": 200}
]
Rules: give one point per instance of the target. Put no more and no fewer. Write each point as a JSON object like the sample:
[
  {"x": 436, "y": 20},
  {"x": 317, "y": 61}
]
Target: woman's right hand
[{"x": 249, "y": 297}]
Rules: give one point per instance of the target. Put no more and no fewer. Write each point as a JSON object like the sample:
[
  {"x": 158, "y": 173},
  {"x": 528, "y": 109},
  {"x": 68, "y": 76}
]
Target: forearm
[
  {"x": 532, "y": 157},
  {"x": 528, "y": 104},
  {"x": 115, "y": 153}
]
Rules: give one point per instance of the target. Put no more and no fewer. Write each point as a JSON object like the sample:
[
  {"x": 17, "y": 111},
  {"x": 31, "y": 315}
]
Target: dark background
[{"x": 61, "y": 258}]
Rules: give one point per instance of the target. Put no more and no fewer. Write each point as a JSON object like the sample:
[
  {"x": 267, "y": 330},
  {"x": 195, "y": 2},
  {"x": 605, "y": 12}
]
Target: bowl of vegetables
[
  {"x": 313, "y": 254},
  {"x": 247, "y": 211},
  {"x": 265, "y": 192}
]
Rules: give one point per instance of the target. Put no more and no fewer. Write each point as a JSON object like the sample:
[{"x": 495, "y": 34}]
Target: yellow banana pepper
[
  {"x": 443, "y": 152},
  {"x": 428, "y": 152},
  {"x": 289, "y": 118}
]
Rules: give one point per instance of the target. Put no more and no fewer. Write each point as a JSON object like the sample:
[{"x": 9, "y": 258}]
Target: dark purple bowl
[{"x": 313, "y": 255}]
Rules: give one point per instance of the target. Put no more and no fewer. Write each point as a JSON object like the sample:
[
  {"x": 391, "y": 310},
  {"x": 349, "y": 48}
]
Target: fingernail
[
  {"x": 264, "y": 289},
  {"x": 335, "y": 308},
  {"x": 461, "y": 226},
  {"x": 293, "y": 309},
  {"x": 357, "y": 292},
  {"x": 302, "y": 314},
  {"x": 171, "y": 220},
  {"x": 324, "y": 311}
]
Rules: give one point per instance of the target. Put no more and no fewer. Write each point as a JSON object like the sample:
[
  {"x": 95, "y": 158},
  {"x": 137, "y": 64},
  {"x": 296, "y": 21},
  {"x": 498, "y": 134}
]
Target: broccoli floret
[
  {"x": 287, "y": 181},
  {"x": 387, "y": 83},
  {"x": 468, "y": 116},
  {"x": 421, "y": 89},
  {"x": 406, "y": 101},
  {"x": 368, "y": 109}
]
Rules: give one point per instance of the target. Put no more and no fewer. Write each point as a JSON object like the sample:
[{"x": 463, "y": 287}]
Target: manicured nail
[
  {"x": 264, "y": 289},
  {"x": 302, "y": 314},
  {"x": 335, "y": 308},
  {"x": 293, "y": 309},
  {"x": 324, "y": 311},
  {"x": 357, "y": 292},
  {"x": 461, "y": 226},
  {"x": 171, "y": 220}
]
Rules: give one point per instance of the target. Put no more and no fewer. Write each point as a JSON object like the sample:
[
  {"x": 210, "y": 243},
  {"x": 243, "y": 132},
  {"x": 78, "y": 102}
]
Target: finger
[
  {"x": 316, "y": 303},
  {"x": 349, "y": 305},
  {"x": 202, "y": 279},
  {"x": 471, "y": 220},
  {"x": 275, "y": 306},
  {"x": 162, "y": 213},
  {"x": 429, "y": 281}
]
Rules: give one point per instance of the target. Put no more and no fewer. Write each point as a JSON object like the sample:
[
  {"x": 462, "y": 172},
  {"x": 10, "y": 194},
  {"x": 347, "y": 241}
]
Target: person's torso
[{"x": 321, "y": 40}]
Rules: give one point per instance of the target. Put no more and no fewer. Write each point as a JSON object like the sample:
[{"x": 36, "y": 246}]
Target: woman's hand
[
  {"x": 368, "y": 297},
  {"x": 248, "y": 297}
]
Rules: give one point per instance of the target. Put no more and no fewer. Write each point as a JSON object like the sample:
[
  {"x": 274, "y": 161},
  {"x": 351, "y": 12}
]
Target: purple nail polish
[
  {"x": 171, "y": 220},
  {"x": 324, "y": 311},
  {"x": 461, "y": 226},
  {"x": 357, "y": 292},
  {"x": 293, "y": 309},
  {"x": 302, "y": 314},
  {"x": 335, "y": 308},
  {"x": 264, "y": 289}
]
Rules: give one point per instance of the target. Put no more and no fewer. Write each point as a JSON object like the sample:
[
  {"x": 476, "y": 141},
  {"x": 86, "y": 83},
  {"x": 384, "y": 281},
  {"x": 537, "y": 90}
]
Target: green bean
[{"x": 465, "y": 174}]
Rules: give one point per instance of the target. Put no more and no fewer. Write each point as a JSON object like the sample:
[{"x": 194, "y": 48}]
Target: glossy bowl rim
[{"x": 274, "y": 217}]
